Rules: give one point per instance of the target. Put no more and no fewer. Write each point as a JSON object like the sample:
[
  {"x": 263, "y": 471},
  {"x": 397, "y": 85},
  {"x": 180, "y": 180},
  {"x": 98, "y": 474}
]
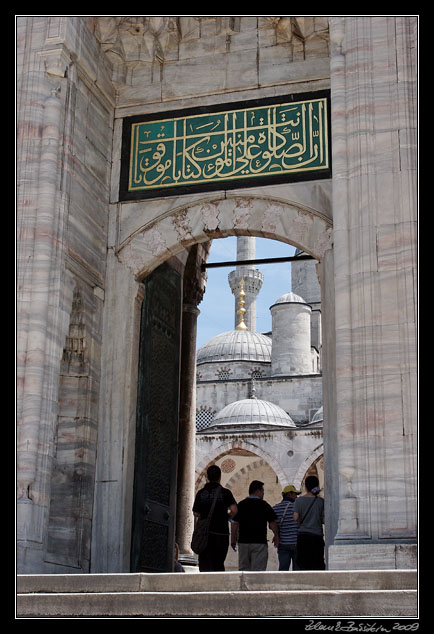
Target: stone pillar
[
  {"x": 193, "y": 293},
  {"x": 116, "y": 442},
  {"x": 348, "y": 522},
  {"x": 373, "y": 92},
  {"x": 37, "y": 325},
  {"x": 36, "y": 421},
  {"x": 246, "y": 250},
  {"x": 187, "y": 434}
]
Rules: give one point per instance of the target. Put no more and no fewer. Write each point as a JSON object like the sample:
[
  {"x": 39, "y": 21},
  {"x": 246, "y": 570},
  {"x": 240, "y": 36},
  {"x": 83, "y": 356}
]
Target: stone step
[
  {"x": 224, "y": 581},
  {"x": 219, "y": 595}
]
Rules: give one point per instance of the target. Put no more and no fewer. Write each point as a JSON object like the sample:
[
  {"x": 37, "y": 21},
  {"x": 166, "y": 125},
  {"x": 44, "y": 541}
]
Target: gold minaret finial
[{"x": 241, "y": 311}]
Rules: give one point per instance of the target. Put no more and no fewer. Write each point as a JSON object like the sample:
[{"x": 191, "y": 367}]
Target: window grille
[
  {"x": 224, "y": 375},
  {"x": 204, "y": 418}
]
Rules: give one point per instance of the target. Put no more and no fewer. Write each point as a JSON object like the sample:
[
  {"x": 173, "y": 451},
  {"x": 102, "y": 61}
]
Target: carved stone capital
[{"x": 56, "y": 61}]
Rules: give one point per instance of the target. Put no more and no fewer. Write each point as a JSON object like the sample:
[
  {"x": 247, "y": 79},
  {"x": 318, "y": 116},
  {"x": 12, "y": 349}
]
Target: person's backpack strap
[
  {"x": 216, "y": 490},
  {"x": 307, "y": 512},
  {"x": 284, "y": 513}
]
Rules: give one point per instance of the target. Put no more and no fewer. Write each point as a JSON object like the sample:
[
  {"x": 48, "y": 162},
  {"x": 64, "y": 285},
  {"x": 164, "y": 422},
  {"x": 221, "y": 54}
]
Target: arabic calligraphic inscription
[{"x": 232, "y": 147}]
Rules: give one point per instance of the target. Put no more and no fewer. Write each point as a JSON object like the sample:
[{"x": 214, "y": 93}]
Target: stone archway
[
  {"x": 259, "y": 216},
  {"x": 141, "y": 250},
  {"x": 232, "y": 445}
]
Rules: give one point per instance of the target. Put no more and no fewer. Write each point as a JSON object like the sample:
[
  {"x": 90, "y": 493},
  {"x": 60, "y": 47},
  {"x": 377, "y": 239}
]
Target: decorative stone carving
[
  {"x": 131, "y": 41},
  {"x": 56, "y": 62},
  {"x": 210, "y": 214},
  {"x": 308, "y": 35},
  {"x": 194, "y": 279},
  {"x": 150, "y": 38},
  {"x": 181, "y": 225},
  {"x": 242, "y": 213},
  {"x": 139, "y": 38}
]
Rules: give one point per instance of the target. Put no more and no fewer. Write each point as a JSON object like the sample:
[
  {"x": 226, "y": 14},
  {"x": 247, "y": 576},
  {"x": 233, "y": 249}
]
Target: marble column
[
  {"x": 28, "y": 429},
  {"x": 187, "y": 431},
  {"x": 373, "y": 88},
  {"x": 193, "y": 293},
  {"x": 348, "y": 522},
  {"x": 35, "y": 423}
]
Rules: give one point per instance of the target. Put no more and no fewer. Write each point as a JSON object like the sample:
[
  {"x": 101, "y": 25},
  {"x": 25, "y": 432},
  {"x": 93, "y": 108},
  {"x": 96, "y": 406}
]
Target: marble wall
[{"x": 64, "y": 133}]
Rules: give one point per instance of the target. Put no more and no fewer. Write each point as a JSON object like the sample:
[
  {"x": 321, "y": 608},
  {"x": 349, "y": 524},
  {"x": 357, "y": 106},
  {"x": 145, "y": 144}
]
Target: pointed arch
[{"x": 230, "y": 445}]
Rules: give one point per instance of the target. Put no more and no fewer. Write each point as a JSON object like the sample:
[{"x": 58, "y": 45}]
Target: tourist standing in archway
[
  {"x": 309, "y": 513},
  {"x": 212, "y": 559}
]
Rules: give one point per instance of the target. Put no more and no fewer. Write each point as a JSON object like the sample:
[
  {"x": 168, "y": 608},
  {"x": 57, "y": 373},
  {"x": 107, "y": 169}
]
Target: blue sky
[{"x": 217, "y": 307}]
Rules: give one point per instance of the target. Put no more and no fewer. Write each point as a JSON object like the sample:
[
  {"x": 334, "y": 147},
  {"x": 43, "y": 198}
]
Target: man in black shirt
[
  {"x": 249, "y": 529},
  {"x": 213, "y": 557}
]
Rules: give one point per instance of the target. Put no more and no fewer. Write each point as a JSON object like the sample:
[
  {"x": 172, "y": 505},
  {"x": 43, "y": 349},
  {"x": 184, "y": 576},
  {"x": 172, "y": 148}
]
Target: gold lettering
[{"x": 227, "y": 145}]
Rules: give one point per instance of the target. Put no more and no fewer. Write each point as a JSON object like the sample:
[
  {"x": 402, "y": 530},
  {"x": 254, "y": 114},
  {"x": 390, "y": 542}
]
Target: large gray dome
[
  {"x": 236, "y": 345},
  {"x": 250, "y": 412}
]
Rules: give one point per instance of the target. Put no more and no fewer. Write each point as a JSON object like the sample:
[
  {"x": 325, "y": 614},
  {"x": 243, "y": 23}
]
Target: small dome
[
  {"x": 290, "y": 298},
  {"x": 236, "y": 345},
  {"x": 251, "y": 412}
]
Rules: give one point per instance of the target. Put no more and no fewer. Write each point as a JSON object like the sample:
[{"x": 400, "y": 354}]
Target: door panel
[{"x": 154, "y": 499}]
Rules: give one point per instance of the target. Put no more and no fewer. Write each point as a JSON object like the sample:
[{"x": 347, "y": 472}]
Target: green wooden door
[{"x": 154, "y": 500}]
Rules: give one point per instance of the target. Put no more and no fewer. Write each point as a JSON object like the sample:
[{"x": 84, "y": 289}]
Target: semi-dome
[
  {"x": 250, "y": 412},
  {"x": 236, "y": 345},
  {"x": 317, "y": 420},
  {"x": 319, "y": 416}
]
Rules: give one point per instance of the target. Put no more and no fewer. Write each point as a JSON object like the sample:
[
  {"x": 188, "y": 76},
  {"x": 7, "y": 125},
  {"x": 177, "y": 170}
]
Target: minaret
[{"x": 246, "y": 250}]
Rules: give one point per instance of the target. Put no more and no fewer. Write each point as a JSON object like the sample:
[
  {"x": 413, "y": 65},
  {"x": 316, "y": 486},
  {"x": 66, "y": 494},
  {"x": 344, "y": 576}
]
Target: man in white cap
[{"x": 288, "y": 528}]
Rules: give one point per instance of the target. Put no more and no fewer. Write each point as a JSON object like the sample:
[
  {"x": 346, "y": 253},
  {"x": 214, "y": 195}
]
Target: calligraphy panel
[{"x": 259, "y": 142}]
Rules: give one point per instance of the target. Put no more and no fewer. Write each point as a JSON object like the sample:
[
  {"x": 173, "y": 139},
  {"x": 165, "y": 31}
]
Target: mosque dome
[
  {"x": 250, "y": 412},
  {"x": 236, "y": 345}
]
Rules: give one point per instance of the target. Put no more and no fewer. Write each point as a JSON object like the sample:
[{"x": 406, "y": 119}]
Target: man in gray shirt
[{"x": 309, "y": 513}]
